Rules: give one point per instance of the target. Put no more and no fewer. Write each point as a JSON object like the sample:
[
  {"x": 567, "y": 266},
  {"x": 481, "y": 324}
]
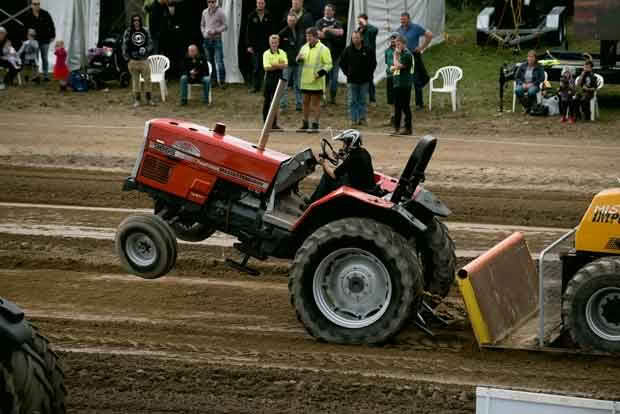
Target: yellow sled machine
[{"x": 572, "y": 301}]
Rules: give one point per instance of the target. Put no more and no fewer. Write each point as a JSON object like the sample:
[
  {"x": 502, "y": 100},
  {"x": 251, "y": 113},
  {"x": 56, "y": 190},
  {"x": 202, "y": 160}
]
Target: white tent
[
  {"x": 77, "y": 24},
  {"x": 385, "y": 15},
  {"x": 230, "y": 40}
]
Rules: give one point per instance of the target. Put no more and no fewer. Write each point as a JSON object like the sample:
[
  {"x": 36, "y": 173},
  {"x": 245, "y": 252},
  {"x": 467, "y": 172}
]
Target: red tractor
[{"x": 361, "y": 262}]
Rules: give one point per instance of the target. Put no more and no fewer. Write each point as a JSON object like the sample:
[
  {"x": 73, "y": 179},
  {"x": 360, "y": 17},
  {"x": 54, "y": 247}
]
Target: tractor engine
[{"x": 203, "y": 180}]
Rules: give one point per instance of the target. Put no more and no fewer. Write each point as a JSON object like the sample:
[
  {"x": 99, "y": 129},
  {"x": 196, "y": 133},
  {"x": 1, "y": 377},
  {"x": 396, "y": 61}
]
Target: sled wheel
[
  {"x": 591, "y": 306},
  {"x": 145, "y": 247},
  {"x": 31, "y": 378},
  {"x": 438, "y": 261},
  {"x": 355, "y": 281}
]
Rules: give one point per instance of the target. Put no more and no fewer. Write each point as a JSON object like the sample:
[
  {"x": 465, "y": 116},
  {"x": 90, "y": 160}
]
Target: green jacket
[
  {"x": 317, "y": 61},
  {"x": 403, "y": 78},
  {"x": 389, "y": 60}
]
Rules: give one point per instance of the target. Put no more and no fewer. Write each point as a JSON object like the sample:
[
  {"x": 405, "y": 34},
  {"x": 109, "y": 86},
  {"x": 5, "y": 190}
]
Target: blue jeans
[
  {"x": 531, "y": 92},
  {"x": 215, "y": 54},
  {"x": 44, "y": 48},
  {"x": 332, "y": 77},
  {"x": 206, "y": 85},
  {"x": 358, "y": 107},
  {"x": 293, "y": 74}
]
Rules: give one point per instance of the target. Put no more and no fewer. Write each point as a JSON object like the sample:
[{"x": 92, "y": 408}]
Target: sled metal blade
[{"x": 500, "y": 290}]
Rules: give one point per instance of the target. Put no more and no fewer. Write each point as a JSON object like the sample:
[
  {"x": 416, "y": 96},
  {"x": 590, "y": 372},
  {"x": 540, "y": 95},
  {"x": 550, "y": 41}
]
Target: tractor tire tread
[{"x": 397, "y": 252}]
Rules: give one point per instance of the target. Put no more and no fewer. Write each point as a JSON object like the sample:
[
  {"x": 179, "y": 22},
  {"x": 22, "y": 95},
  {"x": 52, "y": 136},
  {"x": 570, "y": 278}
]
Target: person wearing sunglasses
[{"x": 41, "y": 21}]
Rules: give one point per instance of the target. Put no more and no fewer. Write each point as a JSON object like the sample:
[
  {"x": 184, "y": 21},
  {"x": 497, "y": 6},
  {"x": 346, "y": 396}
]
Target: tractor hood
[{"x": 211, "y": 149}]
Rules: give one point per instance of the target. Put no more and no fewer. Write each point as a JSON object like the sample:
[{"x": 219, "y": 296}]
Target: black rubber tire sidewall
[
  {"x": 438, "y": 258},
  {"x": 389, "y": 247},
  {"x": 588, "y": 280},
  {"x": 32, "y": 378},
  {"x": 152, "y": 228},
  {"x": 197, "y": 233}
]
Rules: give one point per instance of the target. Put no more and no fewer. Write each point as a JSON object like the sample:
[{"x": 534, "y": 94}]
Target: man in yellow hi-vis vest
[{"x": 316, "y": 61}]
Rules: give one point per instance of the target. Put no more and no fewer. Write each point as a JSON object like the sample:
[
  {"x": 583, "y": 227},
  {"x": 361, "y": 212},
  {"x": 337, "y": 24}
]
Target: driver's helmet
[{"x": 352, "y": 137}]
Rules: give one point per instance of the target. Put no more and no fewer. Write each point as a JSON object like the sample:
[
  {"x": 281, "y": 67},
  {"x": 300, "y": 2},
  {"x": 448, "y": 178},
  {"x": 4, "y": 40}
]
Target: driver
[{"x": 355, "y": 170}]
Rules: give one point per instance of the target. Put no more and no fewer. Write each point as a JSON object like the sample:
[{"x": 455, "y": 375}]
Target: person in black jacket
[
  {"x": 528, "y": 79},
  {"x": 160, "y": 22},
  {"x": 137, "y": 45},
  {"x": 304, "y": 17},
  {"x": 358, "y": 63},
  {"x": 355, "y": 170},
  {"x": 587, "y": 84},
  {"x": 195, "y": 71},
  {"x": 291, "y": 40},
  {"x": 41, "y": 21},
  {"x": 331, "y": 34},
  {"x": 260, "y": 27}
]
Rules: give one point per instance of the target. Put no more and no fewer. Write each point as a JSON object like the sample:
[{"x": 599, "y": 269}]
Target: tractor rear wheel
[
  {"x": 591, "y": 305},
  {"x": 31, "y": 378},
  {"x": 146, "y": 246},
  {"x": 438, "y": 260},
  {"x": 355, "y": 281}
]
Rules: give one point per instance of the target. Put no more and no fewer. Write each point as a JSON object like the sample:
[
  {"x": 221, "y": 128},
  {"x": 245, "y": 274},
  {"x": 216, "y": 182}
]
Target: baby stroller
[{"x": 105, "y": 63}]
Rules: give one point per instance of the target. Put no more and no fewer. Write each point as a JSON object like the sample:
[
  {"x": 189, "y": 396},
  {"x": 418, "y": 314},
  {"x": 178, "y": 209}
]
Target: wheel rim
[
  {"x": 603, "y": 313},
  {"x": 352, "y": 288},
  {"x": 141, "y": 249}
]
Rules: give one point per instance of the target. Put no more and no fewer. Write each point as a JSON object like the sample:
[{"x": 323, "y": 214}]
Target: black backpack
[{"x": 539, "y": 110}]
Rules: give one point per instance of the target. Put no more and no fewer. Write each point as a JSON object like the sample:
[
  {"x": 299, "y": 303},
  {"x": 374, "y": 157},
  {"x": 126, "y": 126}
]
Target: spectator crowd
[{"x": 307, "y": 52}]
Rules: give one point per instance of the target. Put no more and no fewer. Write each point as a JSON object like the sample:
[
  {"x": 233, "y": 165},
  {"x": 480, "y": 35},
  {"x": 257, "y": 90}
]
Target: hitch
[
  {"x": 242, "y": 266},
  {"x": 425, "y": 315}
]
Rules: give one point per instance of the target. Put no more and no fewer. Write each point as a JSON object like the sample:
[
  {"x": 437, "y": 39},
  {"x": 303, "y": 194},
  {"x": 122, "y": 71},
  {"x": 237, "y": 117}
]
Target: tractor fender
[
  {"x": 429, "y": 203},
  {"x": 13, "y": 325},
  {"x": 347, "y": 201}
]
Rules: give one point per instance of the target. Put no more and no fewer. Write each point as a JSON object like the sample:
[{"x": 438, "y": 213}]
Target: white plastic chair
[
  {"x": 450, "y": 76},
  {"x": 159, "y": 64},
  {"x": 189, "y": 88},
  {"x": 594, "y": 112},
  {"x": 539, "y": 95}
]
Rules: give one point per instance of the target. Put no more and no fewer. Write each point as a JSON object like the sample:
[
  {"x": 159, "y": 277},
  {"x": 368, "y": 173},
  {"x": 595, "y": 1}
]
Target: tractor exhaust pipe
[{"x": 273, "y": 110}]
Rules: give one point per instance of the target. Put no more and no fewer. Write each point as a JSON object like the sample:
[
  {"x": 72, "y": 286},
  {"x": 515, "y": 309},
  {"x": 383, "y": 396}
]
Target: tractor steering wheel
[{"x": 328, "y": 152}]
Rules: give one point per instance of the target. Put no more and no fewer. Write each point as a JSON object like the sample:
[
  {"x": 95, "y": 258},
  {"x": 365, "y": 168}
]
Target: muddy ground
[{"x": 207, "y": 339}]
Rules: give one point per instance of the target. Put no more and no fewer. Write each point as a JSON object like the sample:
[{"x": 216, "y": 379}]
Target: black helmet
[{"x": 352, "y": 137}]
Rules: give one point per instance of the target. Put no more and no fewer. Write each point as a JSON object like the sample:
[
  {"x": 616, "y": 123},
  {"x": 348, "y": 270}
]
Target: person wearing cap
[
  {"x": 355, "y": 170},
  {"x": 389, "y": 61},
  {"x": 8, "y": 58},
  {"x": 41, "y": 21}
]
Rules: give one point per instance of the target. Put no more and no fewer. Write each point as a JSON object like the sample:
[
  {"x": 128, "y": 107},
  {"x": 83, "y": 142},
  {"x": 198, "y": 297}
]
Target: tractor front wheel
[
  {"x": 355, "y": 281},
  {"x": 591, "y": 306},
  {"x": 146, "y": 246}
]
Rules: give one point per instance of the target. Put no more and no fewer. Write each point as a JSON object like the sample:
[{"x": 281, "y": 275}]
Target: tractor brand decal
[
  {"x": 613, "y": 244},
  {"x": 187, "y": 147},
  {"x": 251, "y": 181},
  {"x": 606, "y": 214}
]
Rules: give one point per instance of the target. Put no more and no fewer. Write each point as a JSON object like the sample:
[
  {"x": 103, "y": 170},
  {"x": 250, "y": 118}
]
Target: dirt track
[{"x": 206, "y": 339}]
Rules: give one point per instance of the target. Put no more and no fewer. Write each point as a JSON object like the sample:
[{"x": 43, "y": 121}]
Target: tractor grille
[
  {"x": 156, "y": 169},
  {"x": 613, "y": 244}
]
